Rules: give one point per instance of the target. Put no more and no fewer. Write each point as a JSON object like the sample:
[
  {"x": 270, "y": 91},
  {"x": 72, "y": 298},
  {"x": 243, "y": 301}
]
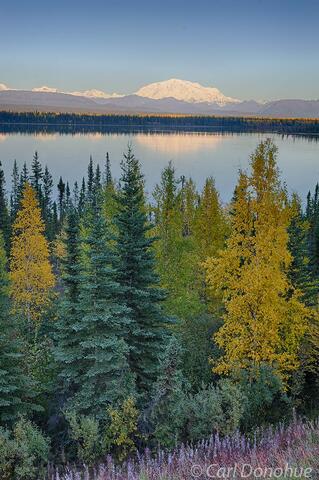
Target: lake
[{"x": 193, "y": 154}]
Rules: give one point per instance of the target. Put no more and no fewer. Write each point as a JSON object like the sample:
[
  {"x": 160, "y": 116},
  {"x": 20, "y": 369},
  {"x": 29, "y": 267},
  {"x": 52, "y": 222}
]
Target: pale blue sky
[{"x": 262, "y": 49}]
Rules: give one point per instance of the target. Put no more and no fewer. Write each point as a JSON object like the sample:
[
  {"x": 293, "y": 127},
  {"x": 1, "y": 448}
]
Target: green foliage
[
  {"x": 121, "y": 432},
  {"x": 166, "y": 412},
  {"x": 94, "y": 365},
  {"x": 136, "y": 275},
  {"x": 84, "y": 431},
  {"x": 13, "y": 381},
  {"x": 266, "y": 400},
  {"x": 302, "y": 270},
  {"x": 178, "y": 415},
  {"x": 23, "y": 452},
  {"x": 195, "y": 335},
  {"x": 214, "y": 409},
  {"x": 5, "y": 226}
]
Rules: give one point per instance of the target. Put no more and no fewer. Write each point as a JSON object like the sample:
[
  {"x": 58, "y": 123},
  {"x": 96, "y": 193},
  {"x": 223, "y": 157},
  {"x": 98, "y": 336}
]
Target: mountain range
[{"x": 172, "y": 96}]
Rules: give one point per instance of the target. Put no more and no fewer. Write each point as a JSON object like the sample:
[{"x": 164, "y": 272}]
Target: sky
[{"x": 261, "y": 49}]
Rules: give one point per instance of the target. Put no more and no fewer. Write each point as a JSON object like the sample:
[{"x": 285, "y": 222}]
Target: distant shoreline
[{"x": 28, "y": 122}]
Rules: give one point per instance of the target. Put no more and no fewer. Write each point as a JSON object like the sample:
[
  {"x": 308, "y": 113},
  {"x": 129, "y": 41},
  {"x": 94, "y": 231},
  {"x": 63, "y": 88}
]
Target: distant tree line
[{"x": 28, "y": 121}]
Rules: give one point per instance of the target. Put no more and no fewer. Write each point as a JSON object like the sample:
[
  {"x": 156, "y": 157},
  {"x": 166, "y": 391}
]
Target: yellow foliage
[
  {"x": 264, "y": 320},
  {"x": 123, "y": 428},
  {"x": 30, "y": 270}
]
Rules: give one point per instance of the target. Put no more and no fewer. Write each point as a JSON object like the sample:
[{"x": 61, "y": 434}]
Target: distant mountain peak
[
  {"x": 45, "y": 89},
  {"x": 93, "y": 93},
  {"x": 186, "y": 91}
]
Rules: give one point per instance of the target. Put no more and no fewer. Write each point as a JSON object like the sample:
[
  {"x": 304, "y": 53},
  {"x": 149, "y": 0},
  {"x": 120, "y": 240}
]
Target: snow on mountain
[
  {"x": 96, "y": 94},
  {"x": 45, "y": 89},
  {"x": 170, "y": 96},
  {"x": 87, "y": 93},
  {"x": 185, "y": 91}
]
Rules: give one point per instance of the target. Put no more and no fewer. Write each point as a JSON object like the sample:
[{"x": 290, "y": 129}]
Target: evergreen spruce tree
[
  {"x": 82, "y": 197},
  {"x": 47, "y": 204},
  {"x": 15, "y": 192},
  {"x": 24, "y": 178},
  {"x": 69, "y": 310},
  {"x": 75, "y": 195},
  {"x": 61, "y": 200},
  {"x": 109, "y": 193},
  {"x": 37, "y": 176},
  {"x": 301, "y": 273},
  {"x": 137, "y": 277},
  {"x": 91, "y": 347},
  {"x": 13, "y": 383},
  {"x": 90, "y": 180},
  {"x": 5, "y": 226},
  {"x": 107, "y": 174},
  {"x": 312, "y": 217}
]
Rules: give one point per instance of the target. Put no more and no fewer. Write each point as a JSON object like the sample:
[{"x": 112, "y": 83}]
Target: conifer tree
[
  {"x": 301, "y": 273},
  {"x": 75, "y": 195},
  {"x": 95, "y": 360},
  {"x": 47, "y": 204},
  {"x": 108, "y": 174},
  {"x": 82, "y": 197},
  {"x": 37, "y": 176},
  {"x": 264, "y": 320},
  {"x": 61, "y": 200},
  {"x": 15, "y": 192},
  {"x": 13, "y": 383},
  {"x": 69, "y": 309},
  {"x": 90, "y": 180},
  {"x": 30, "y": 270},
  {"x": 24, "y": 178},
  {"x": 109, "y": 192},
  {"x": 5, "y": 226},
  {"x": 137, "y": 277}
]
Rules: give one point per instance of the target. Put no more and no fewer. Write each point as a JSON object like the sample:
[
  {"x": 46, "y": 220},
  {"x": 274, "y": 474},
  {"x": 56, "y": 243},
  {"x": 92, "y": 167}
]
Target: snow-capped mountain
[
  {"x": 87, "y": 93},
  {"x": 185, "y": 91},
  {"x": 171, "y": 97}
]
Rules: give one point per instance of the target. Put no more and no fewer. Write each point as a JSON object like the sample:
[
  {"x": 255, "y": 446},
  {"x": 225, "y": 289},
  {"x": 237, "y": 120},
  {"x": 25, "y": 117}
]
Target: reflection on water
[
  {"x": 177, "y": 144},
  {"x": 194, "y": 154}
]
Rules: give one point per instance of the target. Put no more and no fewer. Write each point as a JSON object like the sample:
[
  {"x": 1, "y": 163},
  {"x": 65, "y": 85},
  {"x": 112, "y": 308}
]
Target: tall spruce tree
[
  {"x": 15, "y": 192},
  {"x": 47, "y": 204},
  {"x": 37, "y": 176},
  {"x": 301, "y": 272},
  {"x": 24, "y": 178},
  {"x": 137, "y": 277},
  {"x": 61, "y": 200},
  {"x": 13, "y": 382},
  {"x": 5, "y": 226},
  {"x": 66, "y": 341},
  {"x": 96, "y": 359}
]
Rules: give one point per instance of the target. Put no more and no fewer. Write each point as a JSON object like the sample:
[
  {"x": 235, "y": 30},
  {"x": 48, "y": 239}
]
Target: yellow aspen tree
[
  {"x": 265, "y": 319},
  {"x": 30, "y": 270}
]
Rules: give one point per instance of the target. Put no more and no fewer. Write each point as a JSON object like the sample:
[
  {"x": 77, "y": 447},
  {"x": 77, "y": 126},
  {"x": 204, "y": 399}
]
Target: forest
[
  {"x": 73, "y": 122},
  {"x": 133, "y": 323}
]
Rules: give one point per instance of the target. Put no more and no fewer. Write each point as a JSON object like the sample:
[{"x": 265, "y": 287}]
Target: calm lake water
[{"x": 193, "y": 154}]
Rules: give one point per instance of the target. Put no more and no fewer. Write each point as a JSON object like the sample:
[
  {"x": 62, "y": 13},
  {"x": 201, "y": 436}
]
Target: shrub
[
  {"x": 122, "y": 432},
  {"x": 266, "y": 400},
  {"x": 214, "y": 409},
  {"x": 24, "y": 452},
  {"x": 84, "y": 431}
]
